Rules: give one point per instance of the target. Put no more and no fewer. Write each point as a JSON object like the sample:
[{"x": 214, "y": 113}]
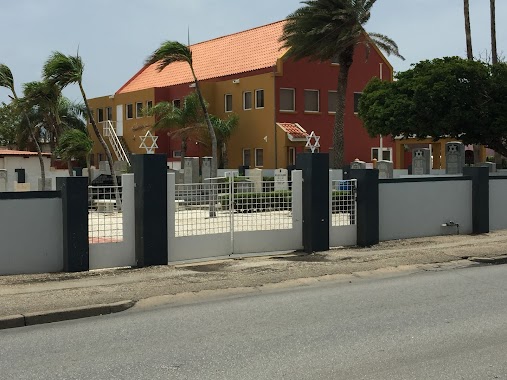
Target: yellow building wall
[{"x": 255, "y": 125}]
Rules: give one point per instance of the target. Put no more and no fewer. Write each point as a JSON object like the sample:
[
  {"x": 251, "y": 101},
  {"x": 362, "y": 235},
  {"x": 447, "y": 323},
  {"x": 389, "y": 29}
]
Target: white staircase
[{"x": 119, "y": 151}]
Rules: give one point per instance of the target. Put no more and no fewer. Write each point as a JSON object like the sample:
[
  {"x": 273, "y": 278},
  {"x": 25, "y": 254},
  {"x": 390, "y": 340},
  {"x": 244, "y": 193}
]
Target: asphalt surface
[{"x": 434, "y": 325}]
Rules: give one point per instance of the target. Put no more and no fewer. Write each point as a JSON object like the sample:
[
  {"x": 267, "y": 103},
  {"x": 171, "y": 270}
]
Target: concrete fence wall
[
  {"x": 31, "y": 233},
  {"x": 497, "y": 203},
  {"x": 418, "y": 208}
]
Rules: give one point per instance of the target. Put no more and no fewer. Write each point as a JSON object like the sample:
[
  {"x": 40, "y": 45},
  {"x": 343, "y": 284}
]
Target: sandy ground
[{"x": 26, "y": 293}]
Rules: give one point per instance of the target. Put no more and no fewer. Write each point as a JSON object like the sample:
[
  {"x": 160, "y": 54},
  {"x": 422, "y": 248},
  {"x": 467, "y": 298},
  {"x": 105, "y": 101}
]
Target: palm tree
[
  {"x": 75, "y": 143},
  {"x": 468, "y": 29},
  {"x": 64, "y": 70},
  {"x": 183, "y": 122},
  {"x": 494, "y": 52},
  {"x": 224, "y": 130},
  {"x": 323, "y": 30},
  {"x": 170, "y": 52},
  {"x": 7, "y": 81}
]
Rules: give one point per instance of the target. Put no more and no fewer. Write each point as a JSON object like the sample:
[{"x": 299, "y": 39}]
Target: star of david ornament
[
  {"x": 312, "y": 141},
  {"x": 147, "y": 139}
]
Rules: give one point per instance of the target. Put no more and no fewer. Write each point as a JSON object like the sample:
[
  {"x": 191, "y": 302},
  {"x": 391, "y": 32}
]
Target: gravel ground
[{"x": 29, "y": 293}]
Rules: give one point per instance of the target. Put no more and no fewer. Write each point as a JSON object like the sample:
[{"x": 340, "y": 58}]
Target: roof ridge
[{"x": 240, "y": 32}]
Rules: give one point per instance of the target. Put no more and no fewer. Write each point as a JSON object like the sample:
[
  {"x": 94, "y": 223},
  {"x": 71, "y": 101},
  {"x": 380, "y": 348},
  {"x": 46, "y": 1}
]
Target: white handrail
[{"x": 115, "y": 141}]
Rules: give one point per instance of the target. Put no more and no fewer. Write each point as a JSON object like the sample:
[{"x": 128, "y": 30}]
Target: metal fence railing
[
  {"x": 105, "y": 219},
  {"x": 225, "y": 205},
  {"x": 343, "y": 202}
]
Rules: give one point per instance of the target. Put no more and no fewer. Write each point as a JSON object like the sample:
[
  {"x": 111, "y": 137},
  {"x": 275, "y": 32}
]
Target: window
[
  {"x": 312, "y": 101},
  {"x": 176, "y": 153},
  {"x": 228, "y": 102},
  {"x": 246, "y": 157},
  {"x": 247, "y": 100},
  {"x": 357, "y": 97},
  {"x": 387, "y": 154},
  {"x": 149, "y": 105},
  {"x": 259, "y": 98},
  {"x": 287, "y": 99},
  {"x": 259, "y": 157},
  {"x": 109, "y": 113},
  {"x": 139, "y": 110},
  {"x": 100, "y": 115},
  {"x": 332, "y": 101},
  {"x": 177, "y": 103},
  {"x": 291, "y": 159},
  {"x": 130, "y": 111}
]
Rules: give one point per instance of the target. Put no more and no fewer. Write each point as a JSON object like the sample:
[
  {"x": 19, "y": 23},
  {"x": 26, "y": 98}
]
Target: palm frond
[
  {"x": 6, "y": 77},
  {"x": 170, "y": 52},
  {"x": 63, "y": 70},
  {"x": 386, "y": 44},
  {"x": 74, "y": 144}
]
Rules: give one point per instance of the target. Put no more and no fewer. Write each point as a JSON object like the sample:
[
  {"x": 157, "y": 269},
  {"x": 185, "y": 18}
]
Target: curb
[
  {"x": 37, "y": 318},
  {"x": 490, "y": 260}
]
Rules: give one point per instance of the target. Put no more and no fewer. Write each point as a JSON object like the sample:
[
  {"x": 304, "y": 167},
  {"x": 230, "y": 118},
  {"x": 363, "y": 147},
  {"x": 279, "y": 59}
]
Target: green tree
[
  {"x": 448, "y": 97},
  {"x": 75, "y": 143},
  {"x": 184, "y": 122},
  {"x": 170, "y": 52},
  {"x": 9, "y": 122},
  {"x": 223, "y": 130},
  {"x": 7, "y": 81},
  {"x": 323, "y": 30},
  {"x": 64, "y": 70}
]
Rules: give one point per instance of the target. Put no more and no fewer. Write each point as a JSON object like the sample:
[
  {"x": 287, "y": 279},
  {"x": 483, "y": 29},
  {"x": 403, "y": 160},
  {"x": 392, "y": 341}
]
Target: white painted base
[
  {"x": 343, "y": 236},
  {"x": 111, "y": 255}
]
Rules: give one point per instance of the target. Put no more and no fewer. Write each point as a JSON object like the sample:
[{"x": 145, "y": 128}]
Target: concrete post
[{"x": 367, "y": 206}]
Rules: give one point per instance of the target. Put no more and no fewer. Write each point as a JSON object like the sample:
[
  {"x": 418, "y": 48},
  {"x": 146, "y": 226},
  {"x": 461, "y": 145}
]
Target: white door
[{"x": 119, "y": 120}]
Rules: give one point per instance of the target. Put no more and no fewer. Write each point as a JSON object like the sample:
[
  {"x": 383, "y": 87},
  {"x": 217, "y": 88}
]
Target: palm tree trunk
[
  {"x": 37, "y": 146},
  {"x": 494, "y": 52},
  {"x": 468, "y": 29},
  {"x": 338, "y": 156},
  {"x": 211, "y": 130},
  {"x": 184, "y": 144},
  {"x": 104, "y": 146},
  {"x": 69, "y": 167}
]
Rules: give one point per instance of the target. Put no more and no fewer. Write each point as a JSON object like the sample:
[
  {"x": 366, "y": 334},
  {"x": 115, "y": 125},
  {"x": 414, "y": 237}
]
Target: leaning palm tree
[
  {"x": 182, "y": 122},
  {"x": 170, "y": 52},
  {"x": 7, "y": 81},
  {"x": 323, "y": 30},
  {"x": 224, "y": 129},
  {"x": 494, "y": 51},
  {"x": 65, "y": 70},
  {"x": 468, "y": 29},
  {"x": 75, "y": 143}
]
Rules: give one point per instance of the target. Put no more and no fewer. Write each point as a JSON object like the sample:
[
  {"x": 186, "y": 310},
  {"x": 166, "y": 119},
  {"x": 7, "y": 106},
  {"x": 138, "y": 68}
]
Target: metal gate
[
  {"x": 343, "y": 213},
  {"x": 226, "y": 216}
]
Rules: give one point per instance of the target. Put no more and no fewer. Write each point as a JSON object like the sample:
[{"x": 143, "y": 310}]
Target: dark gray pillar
[
  {"x": 367, "y": 206},
  {"x": 76, "y": 254},
  {"x": 150, "y": 177},
  {"x": 315, "y": 169},
  {"x": 480, "y": 198}
]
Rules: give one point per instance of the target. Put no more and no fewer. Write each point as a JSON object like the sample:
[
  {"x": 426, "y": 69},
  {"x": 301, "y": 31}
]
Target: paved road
[{"x": 434, "y": 325}]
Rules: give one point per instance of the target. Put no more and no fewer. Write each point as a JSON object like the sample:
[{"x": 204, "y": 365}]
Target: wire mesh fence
[
  {"x": 227, "y": 205},
  {"x": 343, "y": 202},
  {"x": 105, "y": 219}
]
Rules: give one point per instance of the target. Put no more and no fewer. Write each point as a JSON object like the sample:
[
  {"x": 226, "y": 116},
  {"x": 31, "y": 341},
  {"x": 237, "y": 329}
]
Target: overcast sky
[{"x": 115, "y": 36}]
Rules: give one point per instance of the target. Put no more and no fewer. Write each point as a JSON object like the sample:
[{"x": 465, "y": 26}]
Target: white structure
[{"x": 10, "y": 160}]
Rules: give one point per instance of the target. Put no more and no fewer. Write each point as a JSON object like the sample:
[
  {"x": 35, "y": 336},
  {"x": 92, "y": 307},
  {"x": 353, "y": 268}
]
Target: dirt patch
[{"x": 206, "y": 268}]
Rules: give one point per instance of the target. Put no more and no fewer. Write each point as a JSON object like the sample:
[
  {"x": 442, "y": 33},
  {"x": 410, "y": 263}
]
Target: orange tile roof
[
  {"x": 295, "y": 130},
  {"x": 8, "y": 152},
  {"x": 237, "y": 53}
]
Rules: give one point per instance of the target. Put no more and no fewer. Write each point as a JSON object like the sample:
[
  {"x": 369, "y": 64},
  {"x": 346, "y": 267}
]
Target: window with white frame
[
  {"x": 139, "y": 110},
  {"x": 176, "y": 153},
  {"x": 332, "y": 101},
  {"x": 387, "y": 154},
  {"x": 177, "y": 103},
  {"x": 312, "y": 101},
  {"x": 109, "y": 113},
  {"x": 129, "y": 111},
  {"x": 100, "y": 115},
  {"x": 287, "y": 99},
  {"x": 247, "y": 160},
  {"x": 247, "y": 100},
  {"x": 259, "y": 99},
  {"x": 357, "y": 98},
  {"x": 259, "y": 157},
  {"x": 228, "y": 102}
]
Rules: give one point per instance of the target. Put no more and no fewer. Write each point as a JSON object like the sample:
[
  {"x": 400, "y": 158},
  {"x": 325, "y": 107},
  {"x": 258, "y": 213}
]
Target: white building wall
[
  {"x": 32, "y": 170},
  {"x": 497, "y": 204},
  {"x": 418, "y": 209},
  {"x": 31, "y": 239}
]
